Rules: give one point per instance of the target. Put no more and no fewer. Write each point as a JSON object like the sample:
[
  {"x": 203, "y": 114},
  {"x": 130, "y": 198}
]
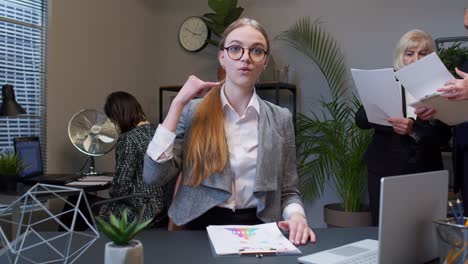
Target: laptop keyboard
[{"x": 366, "y": 258}]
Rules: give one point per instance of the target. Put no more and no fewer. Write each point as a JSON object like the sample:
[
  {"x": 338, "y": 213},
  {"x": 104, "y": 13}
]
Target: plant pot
[
  {"x": 335, "y": 216},
  {"x": 8, "y": 183},
  {"x": 131, "y": 254}
]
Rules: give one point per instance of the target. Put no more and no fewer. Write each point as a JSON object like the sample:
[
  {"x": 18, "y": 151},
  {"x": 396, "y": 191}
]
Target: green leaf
[
  {"x": 232, "y": 16},
  {"x": 222, "y": 7},
  {"x": 114, "y": 222},
  {"x": 213, "y": 18},
  {"x": 140, "y": 227}
]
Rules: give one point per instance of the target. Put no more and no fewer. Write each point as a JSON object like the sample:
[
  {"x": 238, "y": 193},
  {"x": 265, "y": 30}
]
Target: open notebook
[{"x": 250, "y": 239}]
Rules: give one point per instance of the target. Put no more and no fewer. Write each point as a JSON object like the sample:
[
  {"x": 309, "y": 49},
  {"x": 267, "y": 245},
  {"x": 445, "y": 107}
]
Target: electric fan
[{"x": 92, "y": 133}]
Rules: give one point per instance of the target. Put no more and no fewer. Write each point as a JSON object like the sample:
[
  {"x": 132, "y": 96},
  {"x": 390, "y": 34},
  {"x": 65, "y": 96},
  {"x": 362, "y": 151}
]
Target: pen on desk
[
  {"x": 457, "y": 220},
  {"x": 460, "y": 211}
]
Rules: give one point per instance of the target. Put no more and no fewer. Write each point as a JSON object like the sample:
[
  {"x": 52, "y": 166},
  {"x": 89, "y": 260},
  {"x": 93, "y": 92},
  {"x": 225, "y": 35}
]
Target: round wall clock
[{"x": 193, "y": 34}]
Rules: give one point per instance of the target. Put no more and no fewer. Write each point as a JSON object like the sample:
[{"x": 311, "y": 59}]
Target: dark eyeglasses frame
[{"x": 243, "y": 51}]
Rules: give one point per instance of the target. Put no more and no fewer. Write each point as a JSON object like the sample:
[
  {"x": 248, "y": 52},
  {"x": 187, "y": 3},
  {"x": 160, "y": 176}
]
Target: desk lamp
[{"x": 9, "y": 105}]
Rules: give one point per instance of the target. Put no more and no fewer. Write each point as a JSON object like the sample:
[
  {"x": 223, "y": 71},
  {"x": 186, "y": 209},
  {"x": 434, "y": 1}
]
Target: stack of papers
[{"x": 250, "y": 239}]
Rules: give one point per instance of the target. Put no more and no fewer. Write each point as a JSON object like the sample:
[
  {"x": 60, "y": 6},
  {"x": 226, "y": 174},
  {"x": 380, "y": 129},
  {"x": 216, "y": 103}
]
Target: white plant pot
[{"x": 131, "y": 254}]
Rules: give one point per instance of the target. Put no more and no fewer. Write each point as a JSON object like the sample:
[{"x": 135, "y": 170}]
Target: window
[{"x": 23, "y": 65}]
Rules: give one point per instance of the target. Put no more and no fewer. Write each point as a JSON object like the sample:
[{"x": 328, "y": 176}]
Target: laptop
[
  {"x": 408, "y": 205},
  {"x": 28, "y": 150}
]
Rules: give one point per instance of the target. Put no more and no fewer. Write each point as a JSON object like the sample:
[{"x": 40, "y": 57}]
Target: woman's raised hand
[{"x": 192, "y": 88}]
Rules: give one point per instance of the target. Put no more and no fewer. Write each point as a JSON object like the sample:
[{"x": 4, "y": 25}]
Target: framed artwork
[{"x": 166, "y": 95}]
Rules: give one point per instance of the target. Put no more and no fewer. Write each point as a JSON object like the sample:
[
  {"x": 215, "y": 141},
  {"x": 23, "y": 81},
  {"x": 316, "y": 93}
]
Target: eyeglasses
[{"x": 236, "y": 52}]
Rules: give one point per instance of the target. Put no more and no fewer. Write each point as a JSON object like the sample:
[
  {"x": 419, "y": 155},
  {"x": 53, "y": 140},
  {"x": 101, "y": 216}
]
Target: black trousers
[{"x": 223, "y": 216}]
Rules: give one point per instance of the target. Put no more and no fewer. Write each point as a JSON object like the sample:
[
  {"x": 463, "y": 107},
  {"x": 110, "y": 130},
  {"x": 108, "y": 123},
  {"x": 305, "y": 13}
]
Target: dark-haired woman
[{"x": 135, "y": 134}]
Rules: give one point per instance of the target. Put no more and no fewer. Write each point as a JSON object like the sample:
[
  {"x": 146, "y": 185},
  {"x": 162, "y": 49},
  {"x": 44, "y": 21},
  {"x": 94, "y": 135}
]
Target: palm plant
[{"x": 329, "y": 144}]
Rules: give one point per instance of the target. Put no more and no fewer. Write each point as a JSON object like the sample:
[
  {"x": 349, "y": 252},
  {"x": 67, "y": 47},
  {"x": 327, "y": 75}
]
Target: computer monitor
[{"x": 28, "y": 150}]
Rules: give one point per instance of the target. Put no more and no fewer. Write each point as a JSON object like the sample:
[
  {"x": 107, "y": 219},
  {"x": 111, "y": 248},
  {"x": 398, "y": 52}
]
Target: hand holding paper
[
  {"x": 402, "y": 126},
  {"x": 456, "y": 89},
  {"x": 380, "y": 94},
  {"x": 423, "y": 79},
  {"x": 425, "y": 113}
]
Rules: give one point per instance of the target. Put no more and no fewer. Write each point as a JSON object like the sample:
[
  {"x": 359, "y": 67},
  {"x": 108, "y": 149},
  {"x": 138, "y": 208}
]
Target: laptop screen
[{"x": 28, "y": 150}]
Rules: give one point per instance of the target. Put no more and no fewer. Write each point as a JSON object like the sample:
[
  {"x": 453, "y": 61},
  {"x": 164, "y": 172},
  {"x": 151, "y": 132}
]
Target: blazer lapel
[{"x": 266, "y": 175}]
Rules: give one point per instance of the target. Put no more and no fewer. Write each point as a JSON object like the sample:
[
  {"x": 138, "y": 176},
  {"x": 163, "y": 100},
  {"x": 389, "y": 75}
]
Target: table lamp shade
[{"x": 9, "y": 105}]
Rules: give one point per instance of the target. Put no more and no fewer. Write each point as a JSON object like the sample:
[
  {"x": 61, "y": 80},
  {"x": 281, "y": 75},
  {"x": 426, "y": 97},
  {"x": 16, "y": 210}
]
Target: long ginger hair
[{"x": 207, "y": 151}]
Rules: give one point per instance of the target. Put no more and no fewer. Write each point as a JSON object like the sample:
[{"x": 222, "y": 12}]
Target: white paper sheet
[
  {"x": 380, "y": 94},
  {"x": 424, "y": 77},
  {"x": 232, "y": 239}
]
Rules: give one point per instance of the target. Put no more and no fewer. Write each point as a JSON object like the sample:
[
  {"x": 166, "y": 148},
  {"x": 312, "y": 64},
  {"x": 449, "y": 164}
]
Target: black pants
[{"x": 223, "y": 216}]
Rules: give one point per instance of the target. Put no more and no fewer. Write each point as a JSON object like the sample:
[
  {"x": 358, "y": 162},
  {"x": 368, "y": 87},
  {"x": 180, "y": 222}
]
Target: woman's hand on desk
[
  {"x": 425, "y": 113},
  {"x": 402, "y": 126},
  {"x": 299, "y": 231}
]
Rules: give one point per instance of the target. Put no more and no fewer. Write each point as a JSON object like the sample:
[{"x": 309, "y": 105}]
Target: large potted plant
[
  {"x": 224, "y": 13},
  {"x": 123, "y": 249},
  {"x": 10, "y": 168},
  {"x": 329, "y": 144}
]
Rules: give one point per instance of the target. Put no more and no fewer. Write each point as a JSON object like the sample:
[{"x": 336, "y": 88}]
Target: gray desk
[{"x": 193, "y": 247}]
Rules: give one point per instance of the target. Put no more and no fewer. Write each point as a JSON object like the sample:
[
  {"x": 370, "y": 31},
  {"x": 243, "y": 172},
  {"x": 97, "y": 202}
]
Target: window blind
[{"x": 23, "y": 26}]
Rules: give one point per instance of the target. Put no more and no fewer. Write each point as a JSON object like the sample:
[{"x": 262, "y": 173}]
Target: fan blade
[
  {"x": 105, "y": 138},
  {"x": 94, "y": 146},
  {"x": 87, "y": 122},
  {"x": 87, "y": 143},
  {"x": 109, "y": 130}
]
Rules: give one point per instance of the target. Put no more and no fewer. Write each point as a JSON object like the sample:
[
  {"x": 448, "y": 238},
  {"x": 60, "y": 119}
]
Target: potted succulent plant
[
  {"x": 10, "y": 167},
  {"x": 123, "y": 249},
  {"x": 329, "y": 144}
]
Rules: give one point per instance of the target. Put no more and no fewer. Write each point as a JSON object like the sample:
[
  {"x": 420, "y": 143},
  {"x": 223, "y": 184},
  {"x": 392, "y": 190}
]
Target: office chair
[{"x": 146, "y": 200}]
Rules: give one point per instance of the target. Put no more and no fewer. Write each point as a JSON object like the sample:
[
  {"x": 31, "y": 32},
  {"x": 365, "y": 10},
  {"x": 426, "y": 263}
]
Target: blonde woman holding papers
[{"x": 409, "y": 145}]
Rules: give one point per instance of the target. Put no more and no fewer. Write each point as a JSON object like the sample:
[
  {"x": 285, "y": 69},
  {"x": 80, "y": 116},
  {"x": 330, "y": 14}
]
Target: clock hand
[{"x": 193, "y": 33}]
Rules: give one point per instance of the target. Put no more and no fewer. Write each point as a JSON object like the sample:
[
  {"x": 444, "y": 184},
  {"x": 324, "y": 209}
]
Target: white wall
[{"x": 98, "y": 46}]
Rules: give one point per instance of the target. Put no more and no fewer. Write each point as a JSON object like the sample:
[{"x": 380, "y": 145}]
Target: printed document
[
  {"x": 422, "y": 79},
  {"x": 380, "y": 94},
  {"x": 250, "y": 239}
]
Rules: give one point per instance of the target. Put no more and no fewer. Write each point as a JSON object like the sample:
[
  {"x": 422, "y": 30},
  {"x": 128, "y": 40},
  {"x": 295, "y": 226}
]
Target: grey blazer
[{"x": 276, "y": 180}]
